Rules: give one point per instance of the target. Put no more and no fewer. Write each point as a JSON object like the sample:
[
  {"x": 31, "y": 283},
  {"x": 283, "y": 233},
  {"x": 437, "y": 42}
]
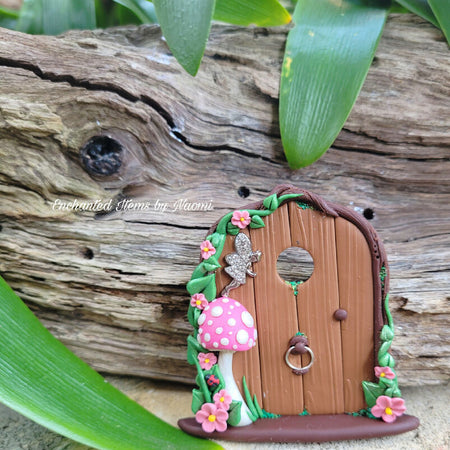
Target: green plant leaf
[
  {"x": 264, "y": 13},
  {"x": 143, "y": 9},
  {"x": 8, "y": 18},
  {"x": 328, "y": 54},
  {"x": 43, "y": 380},
  {"x": 56, "y": 16},
  {"x": 441, "y": 10},
  {"x": 371, "y": 392},
  {"x": 185, "y": 25},
  {"x": 421, "y": 8}
]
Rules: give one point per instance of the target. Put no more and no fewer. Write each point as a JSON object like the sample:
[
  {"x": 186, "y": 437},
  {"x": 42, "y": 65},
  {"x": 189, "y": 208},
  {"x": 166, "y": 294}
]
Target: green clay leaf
[
  {"x": 211, "y": 264},
  {"x": 210, "y": 289},
  {"x": 441, "y": 10},
  {"x": 328, "y": 54},
  {"x": 200, "y": 284},
  {"x": 257, "y": 222},
  {"x": 371, "y": 392},
  {"x": 271, "y": 203},
  {"x": 264, "y": 13},
  {"x": 185, "y": 25},
  {"x": 43, "y": 380},
  {"x": 386, "y": 382},
  {"x": 386, "y": 334},
  {"x": 56, "y": 16},
  {"x": 232, "y": 229},
  {"x": 198, "y": 399},
  {"x": 234, "y": 413},
  {"x": 216, "y": 239},
  {"x": 259, "y": 411},
  {"x": 194, "y": 348},
  {"x": 386, "y": 360},
  {"x": 421, "y": 8}
]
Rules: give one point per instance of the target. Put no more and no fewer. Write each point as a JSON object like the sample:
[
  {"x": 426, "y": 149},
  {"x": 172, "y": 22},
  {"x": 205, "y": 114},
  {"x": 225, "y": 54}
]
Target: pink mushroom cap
[{"x": 226, "y": 325}]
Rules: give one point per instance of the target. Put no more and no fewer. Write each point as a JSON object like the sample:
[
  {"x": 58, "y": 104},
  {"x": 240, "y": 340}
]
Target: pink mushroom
[{"x": 225, "y": 326}]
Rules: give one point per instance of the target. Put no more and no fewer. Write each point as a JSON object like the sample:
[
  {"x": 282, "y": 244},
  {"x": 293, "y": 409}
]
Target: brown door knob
[{"x": 340, "y": 314}]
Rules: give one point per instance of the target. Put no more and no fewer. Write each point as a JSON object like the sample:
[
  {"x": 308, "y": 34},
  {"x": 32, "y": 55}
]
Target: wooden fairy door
[{"x": 341, "y": 280}]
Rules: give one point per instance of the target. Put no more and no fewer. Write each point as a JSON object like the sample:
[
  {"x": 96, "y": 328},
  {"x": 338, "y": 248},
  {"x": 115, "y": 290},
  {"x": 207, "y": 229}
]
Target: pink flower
[
  {"x": 207, "y": 249},
  {"x": 222, "y": 399},
  {"x": 241, "y": 219},
  {"x": 388, "y": 408},
  {"x": 207, "y": 360},
  {"x": 384, "y": 372},
  {"x": 212, "y": 418},
  {"x": 199, "y": 301}
]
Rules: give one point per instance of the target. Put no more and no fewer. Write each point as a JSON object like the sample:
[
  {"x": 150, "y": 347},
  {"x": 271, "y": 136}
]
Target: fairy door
[{"x": 333, "y": 308}]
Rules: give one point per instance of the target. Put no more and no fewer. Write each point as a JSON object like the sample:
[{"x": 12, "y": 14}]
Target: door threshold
[{"x": 314, "y": 428}]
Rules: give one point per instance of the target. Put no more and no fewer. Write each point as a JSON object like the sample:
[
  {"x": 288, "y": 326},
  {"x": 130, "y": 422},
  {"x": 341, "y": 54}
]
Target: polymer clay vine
[
  {"x": 384, "y": 398},
  {"x": 217, "y": 401}
]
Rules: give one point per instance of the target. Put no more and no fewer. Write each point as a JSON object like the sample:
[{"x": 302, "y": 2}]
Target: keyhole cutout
[{"x": 295, "y": 265}]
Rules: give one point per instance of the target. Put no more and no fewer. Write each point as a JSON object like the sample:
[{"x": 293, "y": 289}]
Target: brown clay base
[{"x": 316, "y": 428}]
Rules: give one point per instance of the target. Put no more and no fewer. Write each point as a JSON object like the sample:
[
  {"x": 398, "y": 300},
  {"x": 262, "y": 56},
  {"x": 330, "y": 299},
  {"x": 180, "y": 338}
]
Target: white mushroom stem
[{"x": 225, "y": 364}]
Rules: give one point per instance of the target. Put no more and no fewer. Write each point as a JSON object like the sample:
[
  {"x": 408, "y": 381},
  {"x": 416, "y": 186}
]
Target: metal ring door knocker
[{"x": 299, "y": 346}]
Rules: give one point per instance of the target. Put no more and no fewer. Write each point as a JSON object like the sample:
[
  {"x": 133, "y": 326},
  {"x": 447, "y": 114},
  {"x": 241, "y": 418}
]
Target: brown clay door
[{"x": 342, "y": 279}]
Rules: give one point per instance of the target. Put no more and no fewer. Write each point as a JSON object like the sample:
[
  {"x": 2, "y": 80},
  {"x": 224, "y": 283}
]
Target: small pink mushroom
[{"x": 226, "y": 326}]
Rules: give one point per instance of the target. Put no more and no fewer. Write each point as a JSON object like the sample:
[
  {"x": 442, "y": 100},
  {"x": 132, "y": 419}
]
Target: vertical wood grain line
[
  {"x": 277, "y": 316},
  {"x": 356, "y": 297},
  {"x": 318, "y": 299}
]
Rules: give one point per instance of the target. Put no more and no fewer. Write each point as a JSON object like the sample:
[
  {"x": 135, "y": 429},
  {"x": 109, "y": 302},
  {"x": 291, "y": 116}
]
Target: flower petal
[{"x": 389, "y": 418}]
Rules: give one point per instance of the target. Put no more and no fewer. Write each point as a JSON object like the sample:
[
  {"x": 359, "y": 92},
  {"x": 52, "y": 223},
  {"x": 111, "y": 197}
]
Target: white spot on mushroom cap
[
  {"x": 215, "y": 344},
  {"x": 231, "y": 322},
  {"x": 210, "y": 322},
  {"x": 224, "y": 341},
  {"x": 225, "y": 300},
  {"x": 234, "y": 347},
  {"x": 200, "y": 330},
  {"x": 217, "y": 311},
  {"x": 207, "y": 337},
  {"x": 242, "y": 337},
  {"x": 255, "y": 334},
  {"x": 219, "y": 330},
  {"x": 247, "y": 319},
  {"x": 201, "y": 319}
]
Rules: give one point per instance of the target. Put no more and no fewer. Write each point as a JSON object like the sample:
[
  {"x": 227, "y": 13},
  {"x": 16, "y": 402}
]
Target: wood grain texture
[
  {"x": 112, "y": 286},
  {"x": 276, "y": 313},
  {"x": 317, "y": 300},
  {"x": 356, "y": 297},
  {"x": 244, "y": 363}
]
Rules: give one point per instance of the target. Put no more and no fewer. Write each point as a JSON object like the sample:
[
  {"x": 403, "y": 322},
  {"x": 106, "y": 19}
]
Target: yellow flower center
[
  {"x": 382, "y": 374},
  {"x": 198, "y": 302},
  {"x": 206, "y": 249},
  {"x": 388, "y": 411},
  {"x": 212, "y": 418},
  {"x": 242, "y": 219},
  {"x": 222, "y": 399},
  {"x": 207, "y": 360}
]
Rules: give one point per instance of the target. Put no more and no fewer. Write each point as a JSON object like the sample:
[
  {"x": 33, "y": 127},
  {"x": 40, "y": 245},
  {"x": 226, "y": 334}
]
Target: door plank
[
  {"x": 244, "y": 363},
  {"x": 318, "y": 299},
  {"x": 276, "y": 313},
  {"x": 356, "y": 297}
]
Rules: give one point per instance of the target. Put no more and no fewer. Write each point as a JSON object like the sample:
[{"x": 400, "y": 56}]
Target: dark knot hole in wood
[
  {"x": 295, "y": 265},
  {"x": 102, "y": 155}
]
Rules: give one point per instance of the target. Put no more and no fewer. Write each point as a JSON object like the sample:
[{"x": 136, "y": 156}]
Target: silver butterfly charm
[{"x": 240, "y": 263}]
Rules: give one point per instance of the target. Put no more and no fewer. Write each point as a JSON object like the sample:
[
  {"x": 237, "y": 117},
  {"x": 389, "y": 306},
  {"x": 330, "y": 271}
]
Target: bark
[{"x": 111, "y": 286}]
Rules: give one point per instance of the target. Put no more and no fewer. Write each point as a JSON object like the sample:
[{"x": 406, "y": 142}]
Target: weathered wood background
[{"x": 112, "y": 286}]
